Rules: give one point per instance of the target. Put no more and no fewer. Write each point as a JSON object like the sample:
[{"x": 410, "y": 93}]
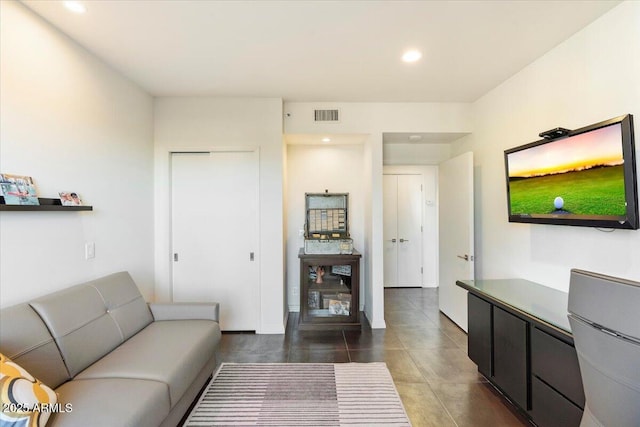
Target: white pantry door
[
  {"x": 402, "y": 211},
  {"x": 455, "y": 188},
  {"x": 214, "y": 208}
]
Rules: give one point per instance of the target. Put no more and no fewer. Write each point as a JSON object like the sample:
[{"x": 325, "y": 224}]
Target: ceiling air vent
[{"x": 331, "y": 116}]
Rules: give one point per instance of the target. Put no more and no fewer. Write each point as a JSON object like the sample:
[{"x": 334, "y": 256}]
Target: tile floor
[{"x": 425, "y": 352}]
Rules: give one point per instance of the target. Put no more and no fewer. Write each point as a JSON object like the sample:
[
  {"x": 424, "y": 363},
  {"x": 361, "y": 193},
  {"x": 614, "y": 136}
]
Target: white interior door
[
  {"x": 455, "y": 189},
  {"x": 409, "y": 230},
  {"x": 390, "y": 229},
  {"x": 214, "y": 233},
  {"x": 402, "y": 210}
]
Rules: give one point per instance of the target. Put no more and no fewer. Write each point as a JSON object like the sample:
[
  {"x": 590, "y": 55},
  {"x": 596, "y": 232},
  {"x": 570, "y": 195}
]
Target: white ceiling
[{"x": 340, "y": 51}]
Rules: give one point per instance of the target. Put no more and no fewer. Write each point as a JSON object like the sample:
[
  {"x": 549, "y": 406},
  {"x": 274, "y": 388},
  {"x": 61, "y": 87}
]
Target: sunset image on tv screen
[{"x": 579, "y": 175}]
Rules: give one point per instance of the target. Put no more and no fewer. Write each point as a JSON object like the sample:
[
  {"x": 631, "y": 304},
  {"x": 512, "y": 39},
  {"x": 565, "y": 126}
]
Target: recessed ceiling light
[
  {"x": 75, "y": 6},
  {"x": 326, "y": 139},
  {"x": 411, "y": 55}
]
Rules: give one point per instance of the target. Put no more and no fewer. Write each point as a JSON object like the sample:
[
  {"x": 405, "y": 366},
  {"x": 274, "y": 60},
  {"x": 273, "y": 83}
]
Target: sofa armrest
[{"x": 185, "y": 311}]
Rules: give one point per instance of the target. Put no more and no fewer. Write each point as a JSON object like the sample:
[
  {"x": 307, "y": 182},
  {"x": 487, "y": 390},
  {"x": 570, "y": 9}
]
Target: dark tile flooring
[{"x": 425, "y": 352}]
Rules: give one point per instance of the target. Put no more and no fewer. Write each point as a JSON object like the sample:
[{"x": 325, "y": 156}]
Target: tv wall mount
[{"x": 554, "y": 133}]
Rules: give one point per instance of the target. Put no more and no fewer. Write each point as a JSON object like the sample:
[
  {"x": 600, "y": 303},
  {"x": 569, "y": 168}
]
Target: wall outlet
[{"x": 89, "y": 250}]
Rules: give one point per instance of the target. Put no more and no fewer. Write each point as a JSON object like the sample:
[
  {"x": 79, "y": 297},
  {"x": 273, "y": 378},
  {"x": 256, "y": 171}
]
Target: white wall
[
  {"x": 415, "y": 154},
  {"x": 314, "y": 169},
  {"x": 372, "y": 276},
  {"x": 184, "y": 124},
  {"x": 374, "y": 119},
  {"x": 382, "y": 117},
  {"x": 593, "y": 76},
  {"x": 73, "y": 124},
  {"x": 429, "y": 175},
  {"x": 286, "y": 301}
]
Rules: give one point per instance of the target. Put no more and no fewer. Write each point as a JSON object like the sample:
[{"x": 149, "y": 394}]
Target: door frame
[
  {"x": 397, "y": 247},
  {"x": 169, "y": 248},
  {"x": 430, "y": 219},
  {"x": 273, "y": 313}
]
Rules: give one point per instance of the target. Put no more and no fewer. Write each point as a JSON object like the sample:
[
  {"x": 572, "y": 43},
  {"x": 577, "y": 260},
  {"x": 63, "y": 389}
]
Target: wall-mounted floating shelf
[{"x": 46, "y": 204}]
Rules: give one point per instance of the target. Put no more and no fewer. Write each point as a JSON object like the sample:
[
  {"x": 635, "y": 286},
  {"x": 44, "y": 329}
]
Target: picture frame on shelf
[
  {"x": 18, "y": 190},
  {"x": 70, "y": 199}
]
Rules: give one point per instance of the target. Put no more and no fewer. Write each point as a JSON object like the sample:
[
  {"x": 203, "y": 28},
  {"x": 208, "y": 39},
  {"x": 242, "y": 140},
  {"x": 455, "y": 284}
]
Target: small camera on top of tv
[{"x": 555, "y": 133}]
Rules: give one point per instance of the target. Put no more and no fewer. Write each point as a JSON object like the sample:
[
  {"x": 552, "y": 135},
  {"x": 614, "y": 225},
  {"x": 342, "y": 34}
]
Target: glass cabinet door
[{"x": 329, "y": 290}]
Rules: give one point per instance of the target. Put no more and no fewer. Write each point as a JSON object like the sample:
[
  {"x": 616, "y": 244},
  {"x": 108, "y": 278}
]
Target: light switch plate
[{"x": 89, "y": 250}]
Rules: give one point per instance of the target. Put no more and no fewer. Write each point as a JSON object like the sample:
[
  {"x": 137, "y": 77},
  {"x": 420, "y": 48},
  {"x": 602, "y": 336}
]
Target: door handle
[
  {"x": 465, "y": 257},
  {"x": 392, "y": 240},
  {"x": 404, "y": 240}
]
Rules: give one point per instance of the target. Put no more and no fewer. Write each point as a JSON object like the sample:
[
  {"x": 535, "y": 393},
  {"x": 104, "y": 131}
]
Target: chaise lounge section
[{"x": 115, "y": 359}]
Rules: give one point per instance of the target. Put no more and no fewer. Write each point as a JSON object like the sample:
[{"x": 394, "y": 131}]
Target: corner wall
[
  {"x": 593, "y": 76},
  {"x": 73, "y": 124}
]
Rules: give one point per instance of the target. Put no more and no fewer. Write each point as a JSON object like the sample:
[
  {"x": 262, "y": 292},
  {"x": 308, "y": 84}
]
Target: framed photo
[
  {"x": 70, "y": 199},
  {"x": 314, "y": 300},
  {"x": 18, "y": 190}
]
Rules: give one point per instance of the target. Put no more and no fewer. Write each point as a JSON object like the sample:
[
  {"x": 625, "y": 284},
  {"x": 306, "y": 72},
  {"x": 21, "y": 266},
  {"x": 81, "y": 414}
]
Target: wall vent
[{"x": 331, "y": 116}]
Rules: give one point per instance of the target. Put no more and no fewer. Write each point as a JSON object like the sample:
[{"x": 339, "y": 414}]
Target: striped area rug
[{"x": 300, "y": 394}]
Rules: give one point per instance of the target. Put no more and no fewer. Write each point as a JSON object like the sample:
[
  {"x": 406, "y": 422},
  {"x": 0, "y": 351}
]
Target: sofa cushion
[
  {"x": 185, "y": 310},
  {"x": 25, "y": 339},
  {"x": 78, "y": 320},
  {"x": 25, "y": 400},
  {"x": 172, "y": 352},
  {"x": 124, "y": 302},
  {"x": 111, "y": 402},
  {"x": 89, "y": 320}
]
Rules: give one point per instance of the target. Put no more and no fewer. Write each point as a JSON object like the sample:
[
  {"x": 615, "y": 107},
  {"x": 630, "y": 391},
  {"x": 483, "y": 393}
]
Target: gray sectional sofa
[{"x": 116, "y": 359}]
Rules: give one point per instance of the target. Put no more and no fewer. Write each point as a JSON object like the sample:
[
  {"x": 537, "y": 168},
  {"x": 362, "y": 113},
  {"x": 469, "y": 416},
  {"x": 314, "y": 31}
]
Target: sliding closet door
[{"x": 215, "y": 233}]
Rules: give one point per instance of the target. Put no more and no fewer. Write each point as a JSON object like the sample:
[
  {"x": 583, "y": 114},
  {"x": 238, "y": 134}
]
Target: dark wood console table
[
  {"x": 520, "y": 338},
  {"x": 333, "y": 301}
]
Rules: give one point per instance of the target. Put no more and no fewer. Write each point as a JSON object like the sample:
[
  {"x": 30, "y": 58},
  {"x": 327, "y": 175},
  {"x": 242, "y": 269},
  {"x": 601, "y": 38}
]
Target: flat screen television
[{"x": 585, "y": 178}]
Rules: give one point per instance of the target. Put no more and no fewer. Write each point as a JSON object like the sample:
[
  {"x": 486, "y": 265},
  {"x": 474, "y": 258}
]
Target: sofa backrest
[
  {"x": 123, "y": 302},
  {"x": 25, "y": 339},
  {"x": 88, "y": 321}
]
